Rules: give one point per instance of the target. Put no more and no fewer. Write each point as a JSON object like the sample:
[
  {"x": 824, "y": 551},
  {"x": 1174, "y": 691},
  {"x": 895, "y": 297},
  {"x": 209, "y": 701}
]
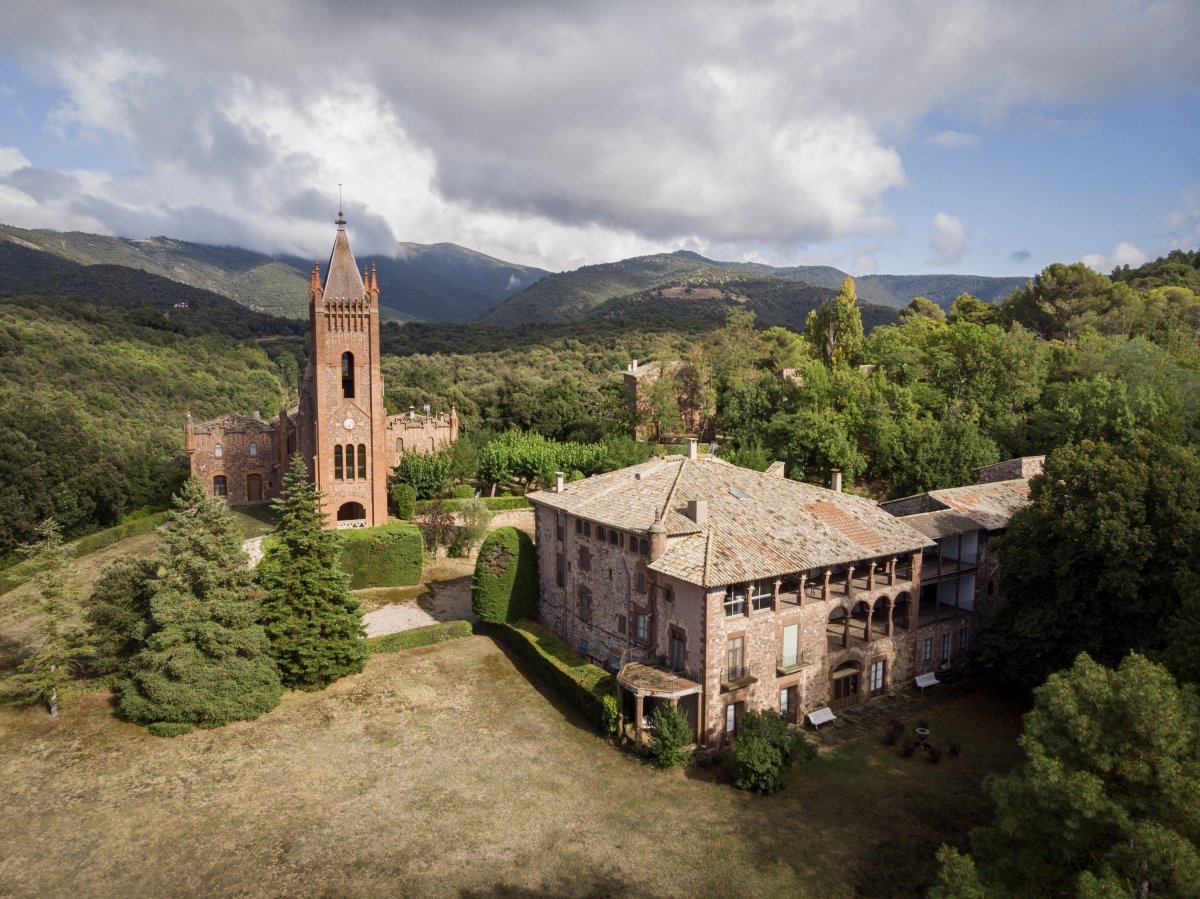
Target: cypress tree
[
  {"x": 313, "y": 621},
  {"x": 206, "y": 659}
]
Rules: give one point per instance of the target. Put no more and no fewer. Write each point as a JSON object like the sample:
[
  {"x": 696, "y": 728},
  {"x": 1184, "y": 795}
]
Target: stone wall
[{"x": 248, "y": 451}]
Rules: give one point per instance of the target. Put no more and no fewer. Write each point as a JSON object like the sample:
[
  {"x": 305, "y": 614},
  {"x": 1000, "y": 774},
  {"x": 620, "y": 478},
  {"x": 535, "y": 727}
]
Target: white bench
[
  {"x": 929, "y": 679},
  {"x": 821, "y": 716}
]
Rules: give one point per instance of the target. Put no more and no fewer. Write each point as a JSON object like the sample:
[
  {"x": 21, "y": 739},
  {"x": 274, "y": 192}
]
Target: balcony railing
[
  {"x": 789, "y": 662},
  {"x": 735, "y": 673}
]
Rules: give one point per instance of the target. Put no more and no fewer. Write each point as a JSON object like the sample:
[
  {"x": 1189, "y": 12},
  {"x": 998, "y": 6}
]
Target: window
[
  {"x": 399, "y": 444},
  {"x": 253, "y": 449},
  {"x": 613, "y": 664},
  {"x": 845, "y": 681},
  {"x": 585, "y": 559},
  {"x": 643, "y": 546},
  {"x": 362, "y": 461},
  {"x": 963, "y": 636},
  {"x": 737, "y": 659},
  {"x": 560, "y": 525},
  {"x": 678, "y": 650},
  {"x": 600, "y": 533},
  {"x": 578, "y": 525},
  {"x": 945, "y": 647},
  {"x": 927, "y": 649},
  {"x": 583, "y": 648},
  {"x": 762, "y": 595},
  {"x": 337, "y": 463},
  {"x": 668, "y": 593},
  {"x": 639, "y": 582},
  {"x": 348, "y": 375},
  {"x": 218, "y": 452},
  {"x": 560, "y": 570},
  {"x": 587, "y": 529},
  {"x": 612, "y": 537},
  {"x": 620, "y": 624},
  {"x": 733, "y": 717},
  {"x": 585, "y": 603},
  {"x": 735, "y": 600},
  {"x": 789, "y": 704},
  {"x": 642, "y": 622},
  {"x": 791, "y": 646},
  {"x": 875, "y": 677},
  {"x": 219, "y": 488}
]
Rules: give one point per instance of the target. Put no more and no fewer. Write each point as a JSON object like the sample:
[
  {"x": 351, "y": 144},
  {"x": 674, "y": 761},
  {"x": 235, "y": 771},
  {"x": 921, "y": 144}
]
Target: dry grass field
[{"x": 444, "y": 772}]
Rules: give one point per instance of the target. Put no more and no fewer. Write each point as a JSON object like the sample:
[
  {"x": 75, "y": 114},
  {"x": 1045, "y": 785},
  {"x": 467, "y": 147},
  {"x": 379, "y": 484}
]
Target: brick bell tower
[{"x": 343, "y": 423}]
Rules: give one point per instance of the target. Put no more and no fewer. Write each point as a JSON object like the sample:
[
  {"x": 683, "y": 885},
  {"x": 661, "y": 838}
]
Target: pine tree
[
  {"x": 206, "y": 660},
  {"x": 42, "y": 676},
  {"x": 312, "y": 619}
]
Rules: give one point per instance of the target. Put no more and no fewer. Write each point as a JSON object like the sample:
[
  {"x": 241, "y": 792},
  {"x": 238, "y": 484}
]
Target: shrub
[
  {"x": 476, "y": 517},
  {"x": 428, "y": 473},
  {"x": 421, "y": 636},
  {"x": 438, "y": 527},
  {"x": 405, "y": 498},
  {"x": 494, "y": 503},
  {"x": 169, "y": 728},
  {"x": 388, "y": 556},
  {"x": 610, "y": 714},
  {"x": 672, "y": 735},
  {"x": 766, "y": 748},
  {"x": 505, "y": 585},
  {"x": 583, "y": 685},
  {"x": 462, "y": 491}
]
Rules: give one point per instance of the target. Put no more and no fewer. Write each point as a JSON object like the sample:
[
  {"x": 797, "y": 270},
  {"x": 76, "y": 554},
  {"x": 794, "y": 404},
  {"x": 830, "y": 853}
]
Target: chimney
[
  {"x": 658, "y": 538},
  {"x": 633, "y": 365},
  {"x": 257, "y": 415},
  {"x": 558, "y": 481},
  {"x": 698, "y": 511},
  {"x": 835, "y": 479},
  {"x": 693, "y": 448},
  {"x": 412, "y": 412}
]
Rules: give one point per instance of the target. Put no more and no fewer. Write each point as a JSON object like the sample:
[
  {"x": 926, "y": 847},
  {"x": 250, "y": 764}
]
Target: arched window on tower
[
  {"x": 218, "y": 452},
  {"x": 219, "y": 486},
  {"x": 362, "y": 461},
  {"x": 337, "y": 463},
  {"x": 253, "y": 449},
  {"x": 348, "y": 376}
]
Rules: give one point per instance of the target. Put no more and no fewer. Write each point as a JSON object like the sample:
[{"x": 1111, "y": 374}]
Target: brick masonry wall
[{"x": 236, "y": 464}]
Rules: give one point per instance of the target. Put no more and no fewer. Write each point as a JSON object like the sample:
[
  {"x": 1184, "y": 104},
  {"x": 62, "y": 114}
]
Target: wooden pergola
[{"x": 644, "y": 680}]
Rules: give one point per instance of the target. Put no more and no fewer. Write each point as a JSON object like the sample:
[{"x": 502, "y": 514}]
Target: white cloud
[
  {"x": 947, "y": 240},
  {"x": 546, "y": 133},
  {"x": 1184, "y": 223},
  {"x": 1124, "y": 253},
  {"x": 954, "y": 140},
  {"x": 864, "y": 259}
]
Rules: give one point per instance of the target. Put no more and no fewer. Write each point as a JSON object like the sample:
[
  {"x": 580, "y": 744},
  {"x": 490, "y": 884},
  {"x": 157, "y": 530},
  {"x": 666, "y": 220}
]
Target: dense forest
[{"x": 98, "y": 370}]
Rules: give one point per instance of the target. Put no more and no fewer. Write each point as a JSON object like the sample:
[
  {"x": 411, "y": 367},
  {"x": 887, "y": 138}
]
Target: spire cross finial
[{"x": 341, "y": 219}]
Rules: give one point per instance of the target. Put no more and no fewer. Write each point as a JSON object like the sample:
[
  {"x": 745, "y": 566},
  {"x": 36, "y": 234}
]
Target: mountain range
[{"x": 445, "y": 282}]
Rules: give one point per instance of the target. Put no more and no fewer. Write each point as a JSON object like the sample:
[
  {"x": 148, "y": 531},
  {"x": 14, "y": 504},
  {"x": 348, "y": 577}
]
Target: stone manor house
[
  {"x": 724, "y": 589},
  {"x": 339, "y": 426}
]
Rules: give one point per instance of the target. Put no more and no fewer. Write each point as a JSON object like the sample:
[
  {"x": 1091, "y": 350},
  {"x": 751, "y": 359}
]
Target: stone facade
[
  {"x": 640, "y": 383},
  {"x": 340, "y": 425}
]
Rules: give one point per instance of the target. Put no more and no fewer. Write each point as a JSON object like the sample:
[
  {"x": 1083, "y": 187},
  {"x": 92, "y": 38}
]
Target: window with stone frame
[
  {"x": 362, "y": 461},
  {"x": 220, "y": 487},
  {"x": 668, "y": 593},
  {"x": 945, "y": 647},
  {"x": 218, "y": 452},
  {"x": 639, "y": 581},
  {"x": 253, "y": 449},
  {"x": 964, "y": 637},
  {"x": 678, "y": 650},
  {"x": 735, "y": 600},
  {"x": 585, "y": 559},
  {"x": 560, "y": 525},
  {"x": 337, "y": 464},
  {"x": 614, "y": 537},
  {"x": 643, "y": 546},
  {"x": 621, "y": 623},
  {"x": 927, "y": 649},
  {"x": 585, "y": 603},
  {"x": 600, "y": 532},
  {"x": 736, "y": 656},
  {"x": 641, "y": 628},
  {"x": 560, "y": 570},
  {"x": 762, "y": 595},
  {"x": 733, "y": 717}
]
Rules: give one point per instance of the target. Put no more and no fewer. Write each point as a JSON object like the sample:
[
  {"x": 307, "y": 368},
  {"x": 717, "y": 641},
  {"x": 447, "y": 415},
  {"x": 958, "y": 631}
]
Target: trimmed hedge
[
  {"x": 169, "y": 728},
  {"x": 388, "y": 556},
  {"x": 421, "y": 636},
  {"x": 494, "y": 503},
  {"x": 505, "y": 584},
  {"x": 580, "y": 683}
]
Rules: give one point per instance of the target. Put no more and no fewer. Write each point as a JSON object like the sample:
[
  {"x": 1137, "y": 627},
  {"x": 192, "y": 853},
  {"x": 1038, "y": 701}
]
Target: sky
[{"x": 986, "y": 137}]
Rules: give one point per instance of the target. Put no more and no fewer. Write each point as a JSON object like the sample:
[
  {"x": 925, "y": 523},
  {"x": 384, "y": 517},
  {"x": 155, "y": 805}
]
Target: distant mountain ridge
[
  {"x": 439, "y": 282},
  {"x": 574, "y": 295}
]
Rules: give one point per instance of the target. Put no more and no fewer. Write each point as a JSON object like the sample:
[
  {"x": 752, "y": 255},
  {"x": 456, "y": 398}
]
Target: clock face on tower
[{"x": 348, "y": 424}]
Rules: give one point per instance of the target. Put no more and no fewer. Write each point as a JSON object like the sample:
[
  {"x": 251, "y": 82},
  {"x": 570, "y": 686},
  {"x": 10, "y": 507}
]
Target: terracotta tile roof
[
  {"x": 343, "y": 281},
  {"x": 758, "y": 525},
  {"x": 987, "y": 506},
  {"x": 942, "y": 523}
]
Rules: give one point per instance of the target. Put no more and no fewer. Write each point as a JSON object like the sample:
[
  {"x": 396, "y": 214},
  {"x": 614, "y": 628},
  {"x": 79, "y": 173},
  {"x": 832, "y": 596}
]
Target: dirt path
[
  {"x": 443, "y": 601},
  {"x": 253, "y": 548}
]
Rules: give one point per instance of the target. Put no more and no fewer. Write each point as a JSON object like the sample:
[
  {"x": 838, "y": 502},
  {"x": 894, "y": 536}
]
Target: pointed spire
[
  {"x": 342, "y": 280},
  {"x": 374, "y": 282},
  {"x": 314, "y": 282}
]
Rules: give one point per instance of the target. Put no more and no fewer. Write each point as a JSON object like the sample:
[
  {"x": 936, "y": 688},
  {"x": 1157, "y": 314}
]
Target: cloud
[
  {"x": 1019, "y": 256},
  {"x": 864, "y": 259},
  {"x": 552, "y": 134},
  {"x": 1124, "y": 253},
  {"x": 947, "y": 240},
  {"x": 1184, "y": 223},
  {"x": 954, "y": 140}
]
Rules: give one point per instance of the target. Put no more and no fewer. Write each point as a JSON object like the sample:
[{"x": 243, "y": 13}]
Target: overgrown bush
[
  {"x": 505, "y": 585},
  {"x": 610, "y": 714},
  {"x": 766, "y": 748},
  {"x": 388, "y": 556},
  {"x": 462, "y": 491},
  {"x": 672, "y": 735},
  {"x": 404, "y": 497},
  {"x": 421, "y": 636}
]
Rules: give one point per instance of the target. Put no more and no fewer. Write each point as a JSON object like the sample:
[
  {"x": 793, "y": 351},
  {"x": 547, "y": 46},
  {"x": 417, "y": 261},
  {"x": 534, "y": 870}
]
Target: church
[{"x": 340, "y": 426}]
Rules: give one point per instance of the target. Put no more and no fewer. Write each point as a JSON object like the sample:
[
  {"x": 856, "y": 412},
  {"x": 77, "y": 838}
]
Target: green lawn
[{"x": 444, "y": 771}]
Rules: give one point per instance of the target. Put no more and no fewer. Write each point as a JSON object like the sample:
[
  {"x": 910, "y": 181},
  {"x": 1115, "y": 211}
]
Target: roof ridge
[
  {"x": 674, "y": 484},
  {"x": 613, "y": 486},
  {"x": 708, "y": 559}
]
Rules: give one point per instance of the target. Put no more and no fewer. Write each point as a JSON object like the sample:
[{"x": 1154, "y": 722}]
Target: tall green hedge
[
  {"x": 580, "y": 683},
  {"x": 494, "y": 503},
  {"x": 388, "y": 556},
  {"x": 421, "y": 636},
  {"x": 505, "y": 585}
]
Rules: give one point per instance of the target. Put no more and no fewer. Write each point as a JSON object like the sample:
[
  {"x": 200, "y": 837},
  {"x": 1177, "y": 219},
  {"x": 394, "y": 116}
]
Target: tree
[
  {"x": 835, "y": 329},
  {"x": 42, "y": 676},
  {"x": 1062, "y": 300},
  {"x": 118, "y": 613},
  {"x": 505, "y": 585},
  {"x": 404, "y": 496},
  {"x": 313, "y": 621},
  {"x": 1098, "y": 561},
  {"x": 921, "y": 307},
  {"x": 476, "y": 517},
  {"x": 969, "y": 308},
  {"x": 672, "y": 735},
  {"x": 428, "y": 473},
  {"x": 766, "y": 748},
  {"x": 1107, "y": 800},
  {"x": 207, "y": 659},
  {"x": 438, "y": 527}
]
